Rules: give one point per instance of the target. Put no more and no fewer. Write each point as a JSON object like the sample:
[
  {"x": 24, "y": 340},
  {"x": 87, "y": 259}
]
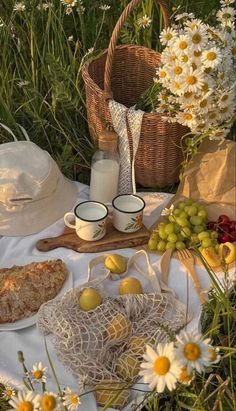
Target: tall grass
[{"x": 42, "y": 52}]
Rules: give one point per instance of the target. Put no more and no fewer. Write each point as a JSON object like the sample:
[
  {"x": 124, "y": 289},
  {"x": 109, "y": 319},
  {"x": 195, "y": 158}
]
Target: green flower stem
[{"x": 52, "y": 368}]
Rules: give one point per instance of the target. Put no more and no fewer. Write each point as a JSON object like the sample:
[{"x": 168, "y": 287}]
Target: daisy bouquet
[{"x": 196, "y": 80}]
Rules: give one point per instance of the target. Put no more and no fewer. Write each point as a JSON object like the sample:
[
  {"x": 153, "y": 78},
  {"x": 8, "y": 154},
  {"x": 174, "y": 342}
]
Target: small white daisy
[
  {"x": 25, "y": 400},
  {"x": 144, "y": 21},
  {"x": 160, "y": 367},
  {"x": 197, "y": 38},
  {"x": 70, "y": 38},
  {"x": 71, "y": 399},
  {"x": 226, "y": 98},
  {"x": 227, "y": 13},
  {"x": 214, "y": 355},
  {"x": 39, "y": 372},
  {"x": 226, "y": 2},
  {"x": 104, "y": 7},
  {"x": 184, "y": 16},
  {"x": 168, "y": 211},
  {"x": 219, "y": 134},
  {"x": 69, "y": 3},
  {"x": 69, "y": 10},
  {"x": 19, "y": 6},
  {"x": 8, "y": 392},
  {"x": 187, "y": 118},
  {"x": 193, "y": 351},
  {"x": 194, "y": 24},
  {"x": 193, "y": 80},
  {"x": 185, "y": 377},
  {"x": 167, "y": 35},
  {"x": 51, "y": 402},
  {"x": 212, "y": 57}
]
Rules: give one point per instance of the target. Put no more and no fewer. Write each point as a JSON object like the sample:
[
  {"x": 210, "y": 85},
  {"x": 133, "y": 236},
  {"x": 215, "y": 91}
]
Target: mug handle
[{"x": 67, "y": 223}]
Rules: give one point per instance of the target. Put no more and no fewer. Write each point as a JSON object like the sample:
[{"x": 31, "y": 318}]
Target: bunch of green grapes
[{"x": 184, "y": 228}]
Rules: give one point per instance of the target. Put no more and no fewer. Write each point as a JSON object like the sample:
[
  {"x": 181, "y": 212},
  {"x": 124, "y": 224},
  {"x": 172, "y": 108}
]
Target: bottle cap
[{"x": 108, "y": 140}]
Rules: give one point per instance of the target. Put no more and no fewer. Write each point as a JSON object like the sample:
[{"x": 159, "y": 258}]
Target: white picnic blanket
[{"x": 31, "y": 342}]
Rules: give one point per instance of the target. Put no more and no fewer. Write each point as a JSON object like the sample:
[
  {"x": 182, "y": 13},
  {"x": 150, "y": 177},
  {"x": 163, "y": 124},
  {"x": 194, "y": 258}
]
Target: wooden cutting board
[{"x": 113, "y": 240}]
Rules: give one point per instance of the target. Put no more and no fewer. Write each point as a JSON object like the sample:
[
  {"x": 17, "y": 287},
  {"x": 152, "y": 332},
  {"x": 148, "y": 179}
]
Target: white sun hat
[{"x": 33, "y": 192}]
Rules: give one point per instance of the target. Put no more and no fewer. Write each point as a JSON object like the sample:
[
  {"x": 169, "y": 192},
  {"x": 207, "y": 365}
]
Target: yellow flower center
[
  {"x": 192, "y": 351},
  {"x": 224, "y": 110},
  {"x": 202, "y": 125},
  {"x": 207, "y": 70},
  {"x": 212, "y": 115},
  {"x": 164, "y": 106},
  {"x": 68, "y": 1},
  {"x": 188, "y": 94},
  {"x": 38, "y": 374},
  {"x": 185, "y": 376},
  {"x": 191, "y": 80},
  {"x": 213, "y": 354},
  {"x": 184, "y": 58},
  {"x": 183, "y": 45},
  {"x": 168, "y": 36},
  {"x": 197, "y": 53},
  {"x": 25, "y": 406},
  {"x": 73, "y": 399},
  {"x": 226, "y": 16},
  {"x": 161, "y": 365},
  {"x": 233, "y": 51},
  {"x": 205, "y": 87},
  {"x": 194, "y": 66},
  {"x": 178, "y": 70},
  {"x": 203, "y": 103},
  {"x": 177, "y": 86},
  {"x": 162, "y": 74},
  {"x": 197, "y": 38},
  {"x": 48, "y": 402},
  {"x": 211, "y": 56},
  {"x": 225, "y": 97},
  {"x": 188, "y": 116},
  {"x": 9, "y": 392}
]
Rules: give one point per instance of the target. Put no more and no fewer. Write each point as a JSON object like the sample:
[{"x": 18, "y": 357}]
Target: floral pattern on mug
[
  {"x": 136, "y": 223},
  {"x": 100, "y": 230}
]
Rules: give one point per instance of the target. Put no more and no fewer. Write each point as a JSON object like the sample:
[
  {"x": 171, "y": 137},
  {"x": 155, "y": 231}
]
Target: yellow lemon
[
  {"x": 227, "y": 252},
  {"x": 127, "y": 366},
  {"x": 137, "y": 345},
  {"x": 130, "y": 285},
  {"x": 89, "y": 299},
  {"x": 112, "y": 393},
  {"x": 115, "y": 263},
  {"x": 119, "y": 327},
  {"x": 210, "y": 256}
]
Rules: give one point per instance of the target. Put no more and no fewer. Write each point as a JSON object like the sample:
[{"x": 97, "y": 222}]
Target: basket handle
[{"x": 112, "y": 45}]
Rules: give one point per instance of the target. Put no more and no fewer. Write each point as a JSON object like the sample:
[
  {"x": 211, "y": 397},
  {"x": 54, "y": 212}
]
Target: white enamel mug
[
  {"x": 90, "y": 220},
  {"x": 128, "y": 212}
]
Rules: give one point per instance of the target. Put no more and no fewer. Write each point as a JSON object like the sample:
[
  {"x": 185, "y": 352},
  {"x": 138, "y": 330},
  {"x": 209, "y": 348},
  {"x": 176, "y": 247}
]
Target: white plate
[{"x": 27, "y": 322}]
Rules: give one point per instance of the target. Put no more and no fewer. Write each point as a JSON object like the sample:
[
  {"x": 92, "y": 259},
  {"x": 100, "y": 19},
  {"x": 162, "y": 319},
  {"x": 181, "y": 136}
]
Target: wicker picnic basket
[{"x": 124, "y": 73}]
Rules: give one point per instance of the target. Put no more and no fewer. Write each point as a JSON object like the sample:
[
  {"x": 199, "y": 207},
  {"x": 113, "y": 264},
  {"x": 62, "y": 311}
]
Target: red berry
[
  {"x": 233, "y": 235},
  {"x": 224, "y": 219},
  {"x": 223, "y": 228},
  {"x": 223, "y": 238},
  {"x": 211, "y": 225}
]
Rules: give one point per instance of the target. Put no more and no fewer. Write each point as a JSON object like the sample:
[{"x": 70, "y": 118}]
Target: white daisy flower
[
  {"x": 144, "y": 21},
  {"x": 8, "y": 392},
  {"x": 219, "y": 134},
  {"x": 160, "y": 367},
  {"x": 193, "y": 351},
  {"x": 227, "y": 112},
  {"x": 214, "y": 355},
  {"x": 212, "y": 57},
  {"x": 70, "y": 38},
  {"x": 168, "y": 211},
  {"x": 226, "y": 98},
  {"x": 204, "y": 104},
  {"x": 176, "y": 87},
  {"x": 167, "y": 35},
  {"x": 185, "y": 377},
  {"x": 227, "y": 13},
  {"x": 69, "y": 3},
  {"x": 226, "y": 2},
  {"x": 71, "y": 399},
  {"x": 187, "y": 118},
  {"x": 197, "y": 38},
  {"x": 181, "y": 44},
  {"x": 25, "y": 400},
  {"x": 39, "y": 372},
  {"x": 184, "y": 16},
  {"x": 104, "y": 7},
  {"x": 69, "y": 10},
  {"x": 51, "y": 402},
  {"x": 194, "y": 24},
  {"x": 193, "y": 80},
  {"x": 19, "y": 6}
]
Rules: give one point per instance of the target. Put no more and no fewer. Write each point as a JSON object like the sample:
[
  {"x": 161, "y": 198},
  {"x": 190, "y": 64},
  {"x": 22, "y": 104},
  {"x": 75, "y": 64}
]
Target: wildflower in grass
[
  {"x": 70, "y": 38},
  {"x": 185, "y": 377},
  {"x": 160, "y": 367},
  {"x": 167, "y": 35},
  {"x": 8, "y": 392},
  {"x": 144, "y": 21},
  {"x": 69, "y": 10},
  {"x": 226, "y": 2},
  {"x": 50, "y": 402},
  {"x": 214, "y": 355},
  {"x": 168, "y": 211},
  {"x": 25, "y": 401},
  {"x": 193, "y": 351},
  {"x": 104, "y": 7},
  {"x": 19, "y": 6},
  {"x": 71, "y": 399},
  {"x": 39, "y": 372}
]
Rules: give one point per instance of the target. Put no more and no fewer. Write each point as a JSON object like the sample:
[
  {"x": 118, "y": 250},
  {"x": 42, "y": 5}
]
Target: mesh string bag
[{"x": 107, "y": 343}]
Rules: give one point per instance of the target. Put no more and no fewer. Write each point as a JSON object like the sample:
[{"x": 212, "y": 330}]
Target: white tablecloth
[{"x": 31, "y": 342}]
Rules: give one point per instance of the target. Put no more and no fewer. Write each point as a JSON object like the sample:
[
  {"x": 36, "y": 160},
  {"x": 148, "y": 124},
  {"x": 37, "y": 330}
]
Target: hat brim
[{"x": 40, "y": 214}]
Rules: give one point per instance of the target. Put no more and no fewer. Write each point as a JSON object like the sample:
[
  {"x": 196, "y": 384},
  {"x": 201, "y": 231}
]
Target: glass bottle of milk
[{"x": 105, "y": 169}]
